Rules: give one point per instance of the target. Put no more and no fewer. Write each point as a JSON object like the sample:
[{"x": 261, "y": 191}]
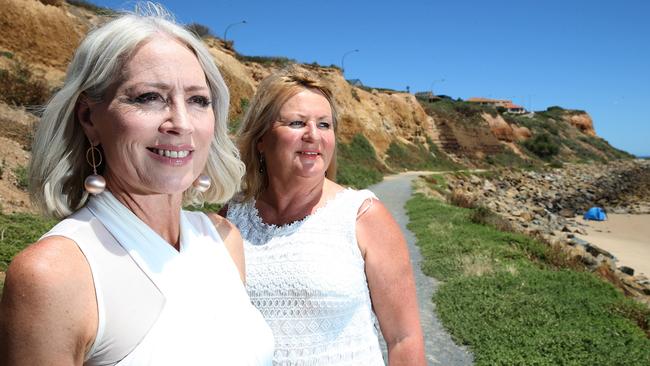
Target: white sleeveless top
[
  {"x": 160, "y": 306},
  {"x": 308, "y": 280}
]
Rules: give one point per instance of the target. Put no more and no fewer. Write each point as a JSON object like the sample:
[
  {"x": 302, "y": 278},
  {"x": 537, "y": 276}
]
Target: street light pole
[
  {"x": 225, "y": 33},
  {"x": 343, "y": 60},
  {"x": 433, "y": 82}
]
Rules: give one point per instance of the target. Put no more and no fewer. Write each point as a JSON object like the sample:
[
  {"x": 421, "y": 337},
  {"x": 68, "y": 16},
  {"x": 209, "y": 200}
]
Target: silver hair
[{"x": 58, "y": 167}]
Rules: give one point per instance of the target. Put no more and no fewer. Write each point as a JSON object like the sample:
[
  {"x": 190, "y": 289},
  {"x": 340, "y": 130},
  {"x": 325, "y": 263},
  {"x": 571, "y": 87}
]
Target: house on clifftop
[{"x": 508, "y": 105}]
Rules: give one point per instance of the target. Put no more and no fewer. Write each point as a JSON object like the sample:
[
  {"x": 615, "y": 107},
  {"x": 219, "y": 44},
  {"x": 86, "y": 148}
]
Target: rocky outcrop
[{"x": 544, "y": 204}]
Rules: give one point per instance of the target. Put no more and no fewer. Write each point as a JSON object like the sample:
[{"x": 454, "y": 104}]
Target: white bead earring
[
  {"x": 94, "y": 183},
  {"x": 202, "y": 183}
]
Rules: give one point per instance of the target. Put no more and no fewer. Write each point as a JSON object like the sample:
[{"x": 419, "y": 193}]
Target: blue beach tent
[{"x": 595, "y": 213}]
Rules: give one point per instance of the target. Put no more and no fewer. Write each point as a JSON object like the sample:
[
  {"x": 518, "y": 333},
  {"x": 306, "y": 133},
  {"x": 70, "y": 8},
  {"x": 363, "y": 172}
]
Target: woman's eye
[
  {"x": 324, "y": 125},
  {"x": 148, "y": 98},
  {"x": 296, "y": 124},
  {"x": 200, "y": 100}
]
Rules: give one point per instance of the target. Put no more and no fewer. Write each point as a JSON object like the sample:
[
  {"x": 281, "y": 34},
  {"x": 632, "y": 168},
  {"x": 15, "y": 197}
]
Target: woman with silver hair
[{"x": 128, "y": 277}]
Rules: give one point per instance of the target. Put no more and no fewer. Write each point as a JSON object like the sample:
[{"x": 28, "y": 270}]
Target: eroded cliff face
[
  {"x": 43, "y": 37},
  {"x": 583, "y": 122},
  {"x": 381, "y": 117}
]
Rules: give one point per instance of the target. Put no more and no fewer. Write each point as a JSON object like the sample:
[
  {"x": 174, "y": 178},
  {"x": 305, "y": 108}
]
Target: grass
[
  {"x": 516, "y": 301},
  {"x": 604, "y": 146},
  {"x": 19, "y": 230},
  {"x": 358, "y": 165}
]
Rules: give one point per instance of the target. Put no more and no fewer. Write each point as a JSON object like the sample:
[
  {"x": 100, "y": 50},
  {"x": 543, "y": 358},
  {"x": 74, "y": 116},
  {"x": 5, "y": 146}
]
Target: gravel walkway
[{"x": 394, "y": 191}]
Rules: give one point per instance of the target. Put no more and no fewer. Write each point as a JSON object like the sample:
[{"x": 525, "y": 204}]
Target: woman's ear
[
  {"x": 84, "y": 116},
  {"x": 260, "y": 146}
]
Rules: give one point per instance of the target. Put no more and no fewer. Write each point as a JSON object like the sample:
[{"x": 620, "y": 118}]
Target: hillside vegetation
[
  {"x": 517, "y": 301},
  {"x": 472, "y": 131}
]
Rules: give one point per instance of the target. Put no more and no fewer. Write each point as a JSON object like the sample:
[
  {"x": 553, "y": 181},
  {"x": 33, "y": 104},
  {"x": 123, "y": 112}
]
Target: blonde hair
[
  {"x": 263, "y": 110},
  {"x": 58, "y": 167}
]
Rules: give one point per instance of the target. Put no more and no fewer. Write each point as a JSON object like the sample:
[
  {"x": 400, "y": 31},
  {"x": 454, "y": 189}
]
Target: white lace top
[{"x": 308, "y": 280}]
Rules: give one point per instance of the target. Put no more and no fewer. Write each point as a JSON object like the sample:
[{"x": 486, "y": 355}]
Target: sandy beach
[{"x": 626, "y": 236}]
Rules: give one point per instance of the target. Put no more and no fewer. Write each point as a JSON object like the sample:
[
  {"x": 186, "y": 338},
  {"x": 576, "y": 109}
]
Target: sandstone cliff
[{"x": 42, "y": 35}]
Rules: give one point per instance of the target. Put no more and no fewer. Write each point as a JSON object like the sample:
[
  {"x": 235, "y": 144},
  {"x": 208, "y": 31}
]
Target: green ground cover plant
[{"x": 517, "y": 301}]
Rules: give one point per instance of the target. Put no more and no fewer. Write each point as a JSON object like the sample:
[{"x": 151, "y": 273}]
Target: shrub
[
  {"x": 52, "y": 2},
  {"x": 267, "y": 60},
  {"x": 505, "y": 158},
  {"x": 416, "y": 156},
  {"x": 21, "y": 88},
  {"x": 484, "y": 216},
  {"x": 358, "y": 165},
  {"x": 99, "y": 10},
  {"x": 542, "y": 146},
  {"x": 21, "y": 177},
  {"x": 461, "y": 199},
  {"x": 199, "y": 29},
  {"x": 355, "y": 95}
]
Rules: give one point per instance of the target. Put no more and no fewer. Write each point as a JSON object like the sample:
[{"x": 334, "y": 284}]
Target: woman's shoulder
[
  {"x": 50, "y": 265},
  {"x": 50, "y": 284}
]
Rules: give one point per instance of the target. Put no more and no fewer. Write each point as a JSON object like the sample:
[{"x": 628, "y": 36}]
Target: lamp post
[
  {"x": 225, "y": 33},
  {"x": 343, "y": 60},
  {"x": 433, "y": 82}
]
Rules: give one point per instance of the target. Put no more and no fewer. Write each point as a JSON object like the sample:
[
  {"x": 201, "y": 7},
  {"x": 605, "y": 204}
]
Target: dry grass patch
[{"x": 476, "y": 265}]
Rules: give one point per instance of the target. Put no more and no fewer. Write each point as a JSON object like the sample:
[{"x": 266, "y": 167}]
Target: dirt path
[{"x": 394, "y": 191}]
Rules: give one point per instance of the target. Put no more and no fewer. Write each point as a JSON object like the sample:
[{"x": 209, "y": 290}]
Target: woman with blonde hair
[
  {"x": 128, "y": 277},
  {"x": 323, "y": 262}
]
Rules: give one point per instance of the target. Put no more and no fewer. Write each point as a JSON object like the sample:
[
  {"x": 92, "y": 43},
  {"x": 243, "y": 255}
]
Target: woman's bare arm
[
  {"x": 48, "y": 312},
  {"x": 391, "y": 284}
]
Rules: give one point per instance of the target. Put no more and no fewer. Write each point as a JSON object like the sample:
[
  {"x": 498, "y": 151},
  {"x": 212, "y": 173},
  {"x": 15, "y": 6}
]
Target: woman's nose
[
  {"x": 311, "y": 132},
  {"x": 177, "y": 120}
]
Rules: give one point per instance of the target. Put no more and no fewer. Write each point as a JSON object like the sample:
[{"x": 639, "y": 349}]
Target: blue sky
[{"x": 590, "y": 55}]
